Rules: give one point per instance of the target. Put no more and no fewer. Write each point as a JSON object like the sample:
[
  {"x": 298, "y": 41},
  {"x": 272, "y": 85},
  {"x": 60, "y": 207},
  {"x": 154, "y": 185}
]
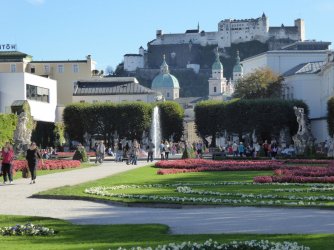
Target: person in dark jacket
[{"x": 32, "y": 156}]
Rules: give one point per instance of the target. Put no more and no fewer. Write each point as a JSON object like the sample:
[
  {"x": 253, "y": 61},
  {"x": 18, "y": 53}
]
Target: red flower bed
[
  {"x": 293, "y": 179},
  {"x": 200, "y": 165},
  {"x": 233, "y": 165},
  {"x": 18, "y": 165},
  {"x": 308, "y": 161},
  {"x": 302, "y": 174},
  {"x": 70, "y": 154},
  {"x": 306, "y": 171}
]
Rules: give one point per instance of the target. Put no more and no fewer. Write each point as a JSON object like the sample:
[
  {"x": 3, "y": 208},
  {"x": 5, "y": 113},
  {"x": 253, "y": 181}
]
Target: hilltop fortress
[
  {"x": 235, "y": 31},
  {"x": 190, "y": 55}
]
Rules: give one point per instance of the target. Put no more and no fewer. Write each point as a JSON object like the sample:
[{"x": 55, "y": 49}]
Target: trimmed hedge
[
  {"x": 129, "y": 119},
  {"x": 7, "y": 127},
  {"x": 330, "y": 116},
  {"x": 266, "y": 116},
  {"x": 171, "y": 115}
]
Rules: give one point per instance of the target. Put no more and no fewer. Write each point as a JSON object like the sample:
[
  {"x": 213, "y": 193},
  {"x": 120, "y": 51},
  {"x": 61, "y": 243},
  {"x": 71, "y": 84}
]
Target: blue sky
[{"x": 108, "y": 29}]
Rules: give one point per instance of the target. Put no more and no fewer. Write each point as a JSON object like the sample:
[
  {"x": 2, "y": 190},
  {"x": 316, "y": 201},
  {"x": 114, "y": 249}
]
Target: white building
[
  {"x": 40, "y": 92},
  {"x": 134, "y": 61},
  {"x": 280, "y": 61},
  {"x": 313, "y": 83},
  {"x": 113, "y": 89},
  {"x": 235, "y": 31}
]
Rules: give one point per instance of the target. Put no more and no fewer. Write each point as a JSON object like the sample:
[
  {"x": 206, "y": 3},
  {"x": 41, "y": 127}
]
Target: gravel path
[{"x": 14, "y": 201}]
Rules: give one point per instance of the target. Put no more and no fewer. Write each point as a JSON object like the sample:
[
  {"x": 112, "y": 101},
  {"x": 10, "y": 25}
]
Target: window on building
[
  {"x": 46, "y": 69},
  {"x": 32, "y": 70},
  {"x": 60, "y": 68},
  {"x": 75, "y": 68},
  {"x": 214, "y": 89},
  {"x": 167, "y": 94},
  {"x": 37, "y": 93},
  {"x": 13, "y": 68},
  {"x": 82, "y": 101}
]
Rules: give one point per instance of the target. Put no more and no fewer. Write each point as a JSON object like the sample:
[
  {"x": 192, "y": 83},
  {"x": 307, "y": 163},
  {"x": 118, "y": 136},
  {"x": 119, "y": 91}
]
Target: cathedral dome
[{"x": 165, "y": 79}]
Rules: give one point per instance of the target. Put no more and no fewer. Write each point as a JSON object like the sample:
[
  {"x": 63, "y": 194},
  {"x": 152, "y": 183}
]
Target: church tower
[
  {"x": 217, "y": 82},
  {"x": 238, "y": 71}
]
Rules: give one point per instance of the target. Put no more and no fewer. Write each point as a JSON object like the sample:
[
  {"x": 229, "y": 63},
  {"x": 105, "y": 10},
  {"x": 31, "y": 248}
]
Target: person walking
[
  {"x": 7, "y": 154},
  {"x": 32, "y": 157},
  {"x": 167, "y": 149},
  {"x": 150, "y": 148},
  {"x": 135, "y": 152},
  {"x": 100, "y": 151},
  {"x": 162, "y": 150}
]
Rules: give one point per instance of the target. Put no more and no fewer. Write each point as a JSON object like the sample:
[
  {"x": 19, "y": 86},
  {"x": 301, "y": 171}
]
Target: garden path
[{"x": 14, "y": 201}]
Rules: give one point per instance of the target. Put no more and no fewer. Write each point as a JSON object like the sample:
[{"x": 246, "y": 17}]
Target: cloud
[{"x": 36, "y": 2}]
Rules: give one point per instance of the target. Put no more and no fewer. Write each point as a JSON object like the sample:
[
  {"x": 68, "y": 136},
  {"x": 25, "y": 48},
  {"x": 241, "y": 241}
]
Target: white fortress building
[{"x": 235, "y": 31}]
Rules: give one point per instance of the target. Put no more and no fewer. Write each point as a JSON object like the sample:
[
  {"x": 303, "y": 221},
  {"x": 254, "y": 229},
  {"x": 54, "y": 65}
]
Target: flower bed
[
  {"x": 203, "y": 196},
  {"x": 234, "y": 245},
  {"x": 308, "y": 161},
  {"x": 70, "y": 154},
  {"x": 300, "y": 174},
  {"x": 293, "y": 179},
  {"x": 200, "y": 165},
  {"x": 19, "y": 165},
  {"x": 27, "y": 230}
]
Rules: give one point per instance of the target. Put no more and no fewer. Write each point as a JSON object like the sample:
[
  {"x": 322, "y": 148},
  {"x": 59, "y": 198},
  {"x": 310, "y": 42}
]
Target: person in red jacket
[{"x": 7, "y": 154}]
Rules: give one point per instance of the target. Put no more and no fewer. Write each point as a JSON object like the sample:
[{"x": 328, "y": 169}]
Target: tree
[
  {"x": 263, "y": 83},
  {"x": 171, "y": 120},
  {"x": 109, "y": 71},
  {"x": 119, "y": 69}
]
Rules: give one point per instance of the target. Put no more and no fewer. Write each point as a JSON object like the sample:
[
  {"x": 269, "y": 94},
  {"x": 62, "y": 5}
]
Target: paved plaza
[{"x": 15, "y": 201}]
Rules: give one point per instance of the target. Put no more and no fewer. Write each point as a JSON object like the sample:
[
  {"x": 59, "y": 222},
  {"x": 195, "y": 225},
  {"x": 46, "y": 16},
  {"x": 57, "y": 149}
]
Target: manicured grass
[
  {"x": 18, "y": 175},
  {"x": 147, "y": 175},
  {"x": 96, "y": 237}
]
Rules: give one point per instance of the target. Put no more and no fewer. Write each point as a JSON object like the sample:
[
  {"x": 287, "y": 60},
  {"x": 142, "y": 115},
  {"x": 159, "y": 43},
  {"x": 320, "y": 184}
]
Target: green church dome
[
  {"x": 237, "y": 67},
  {"x": 217, "y": 65},
  {"x": 165, "y": 79}
]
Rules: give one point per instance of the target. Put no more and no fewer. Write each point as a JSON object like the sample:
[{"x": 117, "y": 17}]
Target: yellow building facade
[{"x": 65, "y": 72}]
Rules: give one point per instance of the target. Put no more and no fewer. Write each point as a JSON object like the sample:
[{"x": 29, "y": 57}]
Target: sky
[{"x": 108, "y": 29}]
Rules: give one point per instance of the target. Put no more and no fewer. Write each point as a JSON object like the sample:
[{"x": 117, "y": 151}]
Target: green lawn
[
  {"x": 95, "y": 237},
  {"x": 197, "y": 181},
  {"x": 18, "y": 175}
]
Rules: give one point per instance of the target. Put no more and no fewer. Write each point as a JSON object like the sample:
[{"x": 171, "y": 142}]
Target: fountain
[{"x": 156, "y": 131}]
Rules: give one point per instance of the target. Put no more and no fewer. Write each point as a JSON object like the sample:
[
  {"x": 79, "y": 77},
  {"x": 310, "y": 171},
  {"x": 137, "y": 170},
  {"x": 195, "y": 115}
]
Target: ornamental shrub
[
  {"x": 7, "y": 127},
  {"x": 80, "y": 154}
]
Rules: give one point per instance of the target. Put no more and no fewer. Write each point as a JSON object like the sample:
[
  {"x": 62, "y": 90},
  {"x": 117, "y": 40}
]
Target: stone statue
[
  {"x": 304, "y": 137},
  {"x": 87, "y": 139},
  {"x": 330, "y": 147},
  {"x": 22, "y": 134},
  {"x": 254, "y": 138}
]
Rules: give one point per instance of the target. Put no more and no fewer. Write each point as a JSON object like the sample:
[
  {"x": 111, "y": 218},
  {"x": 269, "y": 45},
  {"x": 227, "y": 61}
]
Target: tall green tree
[
  {"x": 263, "y": 83},
  {"x": 330, "y": 116},
  {"x": 171, "y": 120}
]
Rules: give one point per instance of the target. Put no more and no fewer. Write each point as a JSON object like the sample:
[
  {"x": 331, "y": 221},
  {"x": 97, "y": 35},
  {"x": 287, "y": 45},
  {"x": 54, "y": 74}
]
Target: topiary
[{"x": 80, "y": 154}]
